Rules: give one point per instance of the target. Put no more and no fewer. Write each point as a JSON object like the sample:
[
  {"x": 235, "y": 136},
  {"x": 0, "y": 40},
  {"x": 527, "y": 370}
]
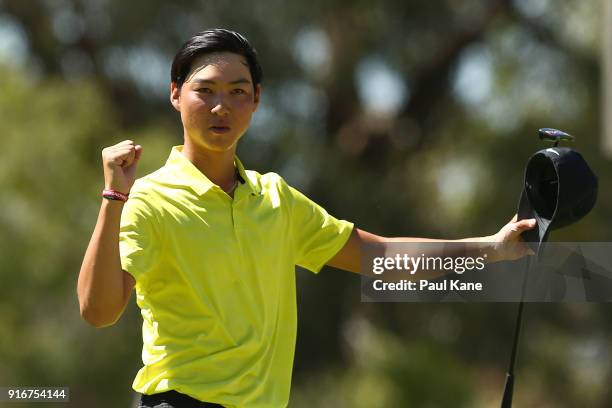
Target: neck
[{"x": 218, "y": 167}]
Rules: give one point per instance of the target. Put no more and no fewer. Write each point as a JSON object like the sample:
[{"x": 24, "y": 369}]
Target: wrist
[
  {"x": 112, "y": 204},
  {"x": 122, "y": 188},
  {"x": 489, "y": 239},
  {"x": 114, "y": 195},
  {"x": 483, "y": 247},
  {"x": 491, "y": 248}
]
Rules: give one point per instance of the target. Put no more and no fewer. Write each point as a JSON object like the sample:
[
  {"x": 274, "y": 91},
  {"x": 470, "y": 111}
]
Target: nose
[{"x": 220, "y": 107}]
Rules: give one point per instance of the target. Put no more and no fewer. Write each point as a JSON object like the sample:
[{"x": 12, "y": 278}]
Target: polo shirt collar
[
  {"x": 188, "y": 174},
  {"x": 250, "y": 179}
]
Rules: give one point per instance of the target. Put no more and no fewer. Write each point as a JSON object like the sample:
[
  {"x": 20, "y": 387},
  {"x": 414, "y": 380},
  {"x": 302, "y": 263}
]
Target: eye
[
  {"x": 238, "y": 91},
  {"x": 204, "y": 90}
]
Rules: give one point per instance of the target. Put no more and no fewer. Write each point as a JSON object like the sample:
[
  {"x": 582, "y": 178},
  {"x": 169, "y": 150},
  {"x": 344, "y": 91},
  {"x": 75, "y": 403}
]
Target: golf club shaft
[{"x": 509, "y": 387}]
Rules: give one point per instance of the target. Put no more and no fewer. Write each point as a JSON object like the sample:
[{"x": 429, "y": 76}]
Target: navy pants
[{"x": 173, "y": 399}]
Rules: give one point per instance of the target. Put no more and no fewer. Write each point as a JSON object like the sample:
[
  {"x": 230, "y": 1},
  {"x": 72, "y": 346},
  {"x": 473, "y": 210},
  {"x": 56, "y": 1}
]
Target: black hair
[{"x": 209, "y": 41}]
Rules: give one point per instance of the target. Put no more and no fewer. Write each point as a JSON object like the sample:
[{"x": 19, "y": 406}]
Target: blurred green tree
[{"x": 409, "y": 118}]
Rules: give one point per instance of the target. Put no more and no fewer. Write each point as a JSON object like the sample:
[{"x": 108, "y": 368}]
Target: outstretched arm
[{"x": 349, "y": 257}]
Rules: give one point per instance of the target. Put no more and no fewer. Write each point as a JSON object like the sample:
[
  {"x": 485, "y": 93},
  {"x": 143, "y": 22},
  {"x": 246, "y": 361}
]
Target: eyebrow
[{"x": 208, "y": 81}]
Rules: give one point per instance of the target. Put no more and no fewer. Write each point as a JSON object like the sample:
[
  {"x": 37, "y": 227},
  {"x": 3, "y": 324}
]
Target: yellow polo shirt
[{"x": 215, "y": 280}]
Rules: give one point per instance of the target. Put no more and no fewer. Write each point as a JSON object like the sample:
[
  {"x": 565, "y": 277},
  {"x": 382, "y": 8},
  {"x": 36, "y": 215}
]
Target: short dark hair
[{"x": 209, "y": 41}]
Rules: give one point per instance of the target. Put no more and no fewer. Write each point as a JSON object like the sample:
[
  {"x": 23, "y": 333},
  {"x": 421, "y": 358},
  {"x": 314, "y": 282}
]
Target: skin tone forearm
[
  {"x": 103, "y": 289},
  {"x": 349, "y": 257}
]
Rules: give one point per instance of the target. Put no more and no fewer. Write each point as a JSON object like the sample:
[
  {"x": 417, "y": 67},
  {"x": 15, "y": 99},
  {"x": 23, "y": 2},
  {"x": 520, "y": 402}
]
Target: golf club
[{"x": 555, "y": 136}]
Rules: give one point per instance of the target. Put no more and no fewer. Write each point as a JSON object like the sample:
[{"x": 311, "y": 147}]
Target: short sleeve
[
  {"x": 317, "y": 236},
  {"x": 138, "y": 240}
]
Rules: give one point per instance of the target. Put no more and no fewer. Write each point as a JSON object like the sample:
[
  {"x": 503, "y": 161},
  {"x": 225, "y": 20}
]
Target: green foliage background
[{"x": 76, "y": 76}]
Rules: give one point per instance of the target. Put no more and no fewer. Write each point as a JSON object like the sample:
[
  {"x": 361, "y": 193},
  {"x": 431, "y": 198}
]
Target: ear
[
  {"x": 175, "y": 96},
  {"x": 256, "y": 96}
]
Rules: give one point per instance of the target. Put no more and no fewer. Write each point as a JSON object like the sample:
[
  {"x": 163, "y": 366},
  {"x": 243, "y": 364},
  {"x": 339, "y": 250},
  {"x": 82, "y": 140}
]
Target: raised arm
[
  {"x": 349, "y": 257},
  {"x": 103, "y": 288}
]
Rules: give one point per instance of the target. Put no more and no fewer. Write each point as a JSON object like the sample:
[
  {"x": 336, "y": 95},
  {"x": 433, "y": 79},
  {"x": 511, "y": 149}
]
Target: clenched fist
[{"x": 119, "y": 162}]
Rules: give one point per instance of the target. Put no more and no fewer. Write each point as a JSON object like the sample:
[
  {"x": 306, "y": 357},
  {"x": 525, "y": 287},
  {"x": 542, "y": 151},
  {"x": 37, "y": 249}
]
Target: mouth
[{"x": 219, "y": 129}]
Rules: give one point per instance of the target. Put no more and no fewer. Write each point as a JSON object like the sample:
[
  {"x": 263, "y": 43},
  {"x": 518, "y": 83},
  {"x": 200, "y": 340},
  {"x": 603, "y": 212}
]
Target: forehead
[{"x": 220, "y": 66}]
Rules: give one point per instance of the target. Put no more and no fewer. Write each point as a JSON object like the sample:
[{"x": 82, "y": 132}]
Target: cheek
[
  {"x": 194, "y": 103},
  {"x": 245, "y": 106},
  {"x": 192, "y": 115},
  {"x": 193, "y": 109}
]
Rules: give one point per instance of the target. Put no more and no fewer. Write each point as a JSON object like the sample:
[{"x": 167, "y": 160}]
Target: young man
[{"x": 211, "y": 247}]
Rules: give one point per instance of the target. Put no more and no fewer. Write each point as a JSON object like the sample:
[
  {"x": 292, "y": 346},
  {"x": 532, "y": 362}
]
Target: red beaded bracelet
[{"x": 114, "y": 195}]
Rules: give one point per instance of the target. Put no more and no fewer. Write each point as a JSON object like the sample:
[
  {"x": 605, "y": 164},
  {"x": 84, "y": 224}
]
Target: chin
[
  {"x": 215, "y": 142},
  {"x": 219, "y": 145}
]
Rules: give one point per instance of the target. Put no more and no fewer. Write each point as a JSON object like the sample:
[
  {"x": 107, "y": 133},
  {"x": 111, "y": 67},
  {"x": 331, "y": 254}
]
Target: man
[{"x": 211, "y": 247}]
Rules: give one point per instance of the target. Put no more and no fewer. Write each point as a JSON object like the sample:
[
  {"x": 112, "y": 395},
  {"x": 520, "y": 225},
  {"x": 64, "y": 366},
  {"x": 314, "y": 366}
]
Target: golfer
[{"x": 211, "y": 247}]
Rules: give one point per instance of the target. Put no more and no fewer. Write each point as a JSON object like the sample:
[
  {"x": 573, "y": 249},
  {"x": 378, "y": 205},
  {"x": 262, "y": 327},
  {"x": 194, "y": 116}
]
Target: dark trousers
[{"x": 173, "y": 399}]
